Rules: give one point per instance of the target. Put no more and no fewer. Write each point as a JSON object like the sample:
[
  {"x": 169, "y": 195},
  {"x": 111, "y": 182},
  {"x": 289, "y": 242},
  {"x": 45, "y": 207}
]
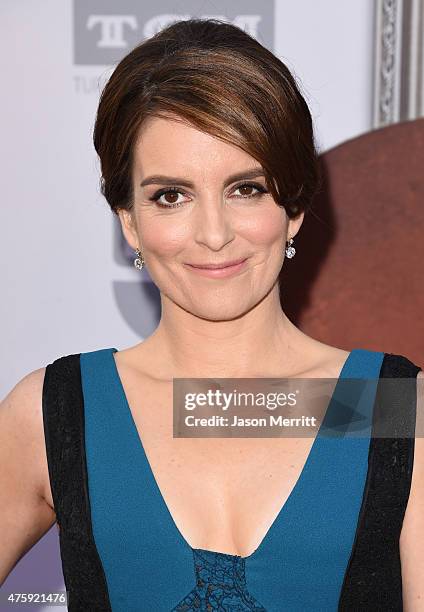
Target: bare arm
[
  {"x": 25, "y": 515},
  {"x": 411, "y": 541}
]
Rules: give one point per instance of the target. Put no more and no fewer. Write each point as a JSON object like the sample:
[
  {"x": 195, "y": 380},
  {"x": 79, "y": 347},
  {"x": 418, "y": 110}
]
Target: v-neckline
[{"x": 283, "y": 508}]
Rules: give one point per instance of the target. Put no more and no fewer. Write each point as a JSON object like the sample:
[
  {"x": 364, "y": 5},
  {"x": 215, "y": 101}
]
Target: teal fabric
[{"x": 300, "y": 563}]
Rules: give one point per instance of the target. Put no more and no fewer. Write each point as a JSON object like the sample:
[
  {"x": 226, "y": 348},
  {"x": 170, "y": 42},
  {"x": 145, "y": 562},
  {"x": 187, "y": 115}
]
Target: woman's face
[{"x": 208, "y": 217}]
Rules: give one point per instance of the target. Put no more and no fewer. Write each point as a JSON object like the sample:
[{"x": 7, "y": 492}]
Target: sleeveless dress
[{"x": 333, "y": 546}]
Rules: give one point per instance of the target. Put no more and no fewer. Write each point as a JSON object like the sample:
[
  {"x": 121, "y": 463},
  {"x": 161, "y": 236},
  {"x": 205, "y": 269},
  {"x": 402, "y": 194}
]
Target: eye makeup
[{"x": 173, "y": 189}]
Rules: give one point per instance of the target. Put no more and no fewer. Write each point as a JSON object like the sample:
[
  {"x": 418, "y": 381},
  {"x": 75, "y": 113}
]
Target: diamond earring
[
  {"x": 290, "y": 251},
  {"x": 139, "y": 261}
]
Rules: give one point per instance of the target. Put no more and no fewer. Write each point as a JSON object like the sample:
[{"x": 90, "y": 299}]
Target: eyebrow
[{"x": 160, "y": 179}]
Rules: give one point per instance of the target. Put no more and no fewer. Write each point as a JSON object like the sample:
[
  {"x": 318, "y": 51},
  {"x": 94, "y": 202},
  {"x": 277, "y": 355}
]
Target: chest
[{"x": 223, "y": 494}]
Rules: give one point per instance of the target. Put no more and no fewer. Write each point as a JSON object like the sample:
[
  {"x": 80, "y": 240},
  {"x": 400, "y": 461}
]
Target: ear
[
  {"x": 294, "y": 224},
  {"x": 129, "y": 228}
]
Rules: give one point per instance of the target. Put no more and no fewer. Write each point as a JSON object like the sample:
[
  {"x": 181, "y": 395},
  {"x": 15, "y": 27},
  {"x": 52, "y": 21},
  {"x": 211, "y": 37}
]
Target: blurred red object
[{"x": 357, "y": 279}]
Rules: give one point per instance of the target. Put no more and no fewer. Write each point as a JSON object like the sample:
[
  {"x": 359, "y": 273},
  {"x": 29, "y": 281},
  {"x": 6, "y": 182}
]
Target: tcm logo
[
  {"x": 105, "y": 30},
  {"x": 112, "y": 29}
]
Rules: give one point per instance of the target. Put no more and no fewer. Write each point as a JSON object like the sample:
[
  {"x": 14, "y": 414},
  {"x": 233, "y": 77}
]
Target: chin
[{"x": 218, "y": 313}]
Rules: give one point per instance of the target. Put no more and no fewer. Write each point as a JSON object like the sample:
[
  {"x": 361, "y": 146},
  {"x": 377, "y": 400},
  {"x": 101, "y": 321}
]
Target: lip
[
  {"x": 219, "y": 270},
  {"x": 224, "y": 264}
]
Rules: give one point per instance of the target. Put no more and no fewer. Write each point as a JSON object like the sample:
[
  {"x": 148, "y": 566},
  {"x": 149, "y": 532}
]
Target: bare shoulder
[
  {"x": 25, "y": 514},
  {"x": 21, "y": 427},
  {"x": 412, "y": 534}
]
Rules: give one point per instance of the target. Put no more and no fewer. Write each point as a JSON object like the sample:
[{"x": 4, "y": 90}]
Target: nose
[{"x": 213, "y": 224}]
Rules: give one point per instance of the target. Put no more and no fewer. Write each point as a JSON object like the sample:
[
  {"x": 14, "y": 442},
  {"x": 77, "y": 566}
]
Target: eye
[
  {"x": 174, "y": 190},
  {"x": 259, "y": 188}
]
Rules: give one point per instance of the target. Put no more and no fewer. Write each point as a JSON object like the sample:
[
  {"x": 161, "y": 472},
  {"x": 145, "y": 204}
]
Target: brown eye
[
  {"x": 170, "y": 197},
  {"x": 243, "y": 189},
  {"x": 171, "y": 194},
  {"x": 246, "y": 190}
]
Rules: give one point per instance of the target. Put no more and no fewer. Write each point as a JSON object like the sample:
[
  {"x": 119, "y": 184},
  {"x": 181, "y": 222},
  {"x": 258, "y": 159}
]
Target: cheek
[
  {"x": 163, "y": 237},
  {"x": 264, "y": 228}
]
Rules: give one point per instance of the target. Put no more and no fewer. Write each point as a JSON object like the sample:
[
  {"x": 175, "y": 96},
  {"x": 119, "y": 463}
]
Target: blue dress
[{"x": 110, "y": 508}]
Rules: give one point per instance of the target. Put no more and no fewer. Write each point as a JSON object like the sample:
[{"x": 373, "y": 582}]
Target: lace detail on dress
[
  {"x": 373, "y": 579},
  {"x": 220, "y": 585},
  {"x": 63, "y": 416}
]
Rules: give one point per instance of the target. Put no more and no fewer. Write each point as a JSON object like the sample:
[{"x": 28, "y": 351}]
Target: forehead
[{"x": 168, "y": 145}]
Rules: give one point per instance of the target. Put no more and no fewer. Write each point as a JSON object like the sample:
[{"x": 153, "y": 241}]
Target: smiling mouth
[
  {"x": 226, "y": 264},
  {"x": 220, "y": 270}
]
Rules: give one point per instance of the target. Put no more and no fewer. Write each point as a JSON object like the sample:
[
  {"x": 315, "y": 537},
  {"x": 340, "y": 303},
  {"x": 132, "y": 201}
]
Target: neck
[{"x": 262, "y": 342}]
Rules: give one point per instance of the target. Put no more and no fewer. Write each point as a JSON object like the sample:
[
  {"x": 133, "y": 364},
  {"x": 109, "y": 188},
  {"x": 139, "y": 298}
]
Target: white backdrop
[{"x": 68, "y": 283}]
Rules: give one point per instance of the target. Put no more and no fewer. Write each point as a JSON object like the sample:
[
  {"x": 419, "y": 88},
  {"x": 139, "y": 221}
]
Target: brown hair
[{"x": 222, "y": 81}]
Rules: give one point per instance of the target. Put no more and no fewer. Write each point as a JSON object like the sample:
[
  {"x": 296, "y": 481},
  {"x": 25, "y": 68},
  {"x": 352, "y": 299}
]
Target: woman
[{"x": 207, "y": 156}]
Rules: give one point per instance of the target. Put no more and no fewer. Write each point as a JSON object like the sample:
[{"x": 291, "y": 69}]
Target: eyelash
[{"x": 161, "y": 192}]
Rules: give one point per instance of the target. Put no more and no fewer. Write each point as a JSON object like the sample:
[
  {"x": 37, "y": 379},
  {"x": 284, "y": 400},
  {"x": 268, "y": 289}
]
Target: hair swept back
[{"x": 221, "y": 80}]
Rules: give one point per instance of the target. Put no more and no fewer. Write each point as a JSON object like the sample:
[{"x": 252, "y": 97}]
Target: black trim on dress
[
  {"x": 373, "y": 579},
  {"x": 64, "y": 431}
]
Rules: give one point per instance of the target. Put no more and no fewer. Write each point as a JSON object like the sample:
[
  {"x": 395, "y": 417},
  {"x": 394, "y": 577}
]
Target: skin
[
  {"x": 210, "y": 325},
  {"x": 207, "y": 329}
]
